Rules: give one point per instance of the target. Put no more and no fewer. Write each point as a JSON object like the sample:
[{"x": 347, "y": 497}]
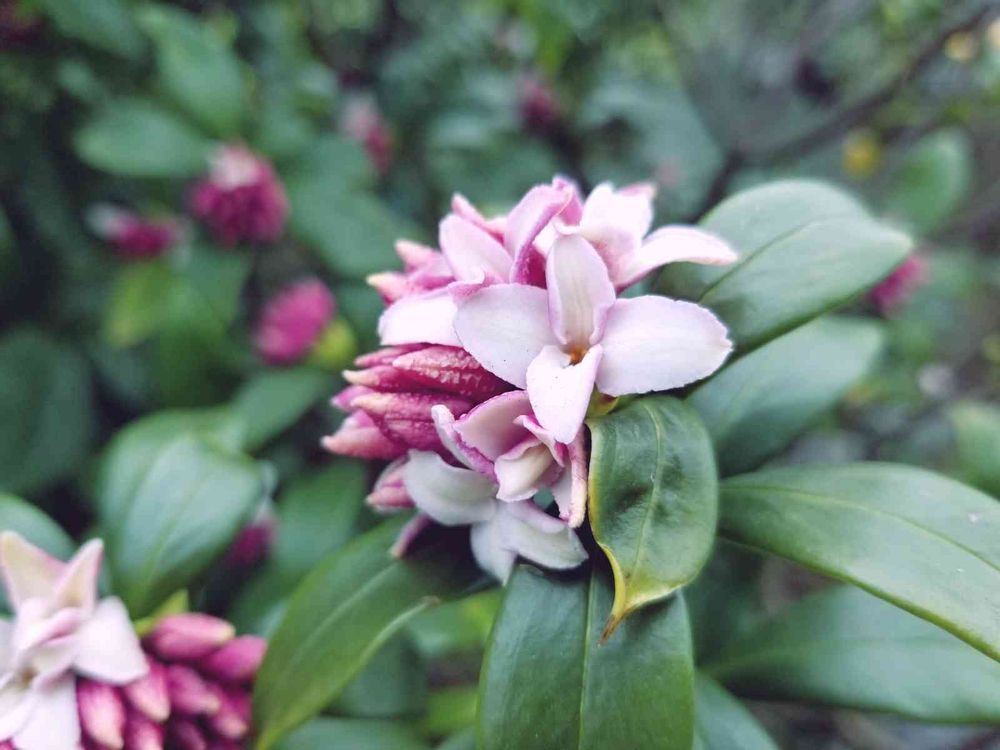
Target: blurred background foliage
[{"x": 373, "y": 112}]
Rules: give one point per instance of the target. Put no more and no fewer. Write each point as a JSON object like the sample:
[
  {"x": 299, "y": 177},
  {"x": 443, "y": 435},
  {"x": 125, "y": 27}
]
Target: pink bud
[
  {"x": 391, "y": 285},
  {"x": 189, "y": 693},
  {"x": 900, "y": 285},
  {"x": 225, "y": 745},
  {"x": 149, "y": 694},
  {"x": 293, "y": 321},
  {"x": 382, "y": 378},
  {"x": 237, "y": 661},
  {"x": 414, "y": 255},
  {"x": 189, "y": 636},
  {"x": 133, "y": 236},
  {"x": 102, "y": 713},
  {"x": 452, "y": 370},
  {"x": 389, "y": 493},
  {"x": 7, "y": 745},
  {"x": 385, "y": 355},
  {"x": 359, "y": 436},
  {"x": 406, "y": 417},
  {"x": 232, "y": 720},
  {"x": 186, "y": 735},
  {"x": 142, "y": 734}
]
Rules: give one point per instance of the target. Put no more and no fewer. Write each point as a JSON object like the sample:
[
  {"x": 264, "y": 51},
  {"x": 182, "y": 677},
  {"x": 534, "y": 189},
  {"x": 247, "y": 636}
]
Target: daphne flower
[
  {"x": 241, "y": 199},
  {"x": 900, "y": 285},
  {"x": 561, "y": 341},
  {"x": 134, "y": 237},
  {"x": 293, "y": 321},
  {"x": 60, "y": 631}
]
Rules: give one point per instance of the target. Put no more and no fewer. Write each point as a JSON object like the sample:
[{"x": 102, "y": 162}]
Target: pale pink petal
[
  {"x": 490, "y": 550},
  {"x": 573, "y": 210},
  {"x": 656, "y": 344},
  {"x": 504, "y": 327},
  {"x": 557, "y": 449},
  {"x": 560, "y": 391},
  {"x": 448, "y": 494},
  {"x": 53, "y": 724},
  {"x": 464, "y": 453},
  {"x": 6, "y": 645},
  {"x": 409, "y": 534},
  {"x": 37, "y": 623},
  {"x": 491, "y": 428},
  {"x": 580, "y": 292},
  {"x": 632, "y": 210},
  {"x": 523, "y": 471},
  {"x": 675, "y": 244},
  {"x": 28, "y": 572},
  {"x": 570, "y": 491},
  {"x": 52, "y": 660},
  {"x": 473, "y": 254},
  {"x": 536, "y": 536},
  {"x": 77, "y": 586},
  {"x": 420, "y": 319},
  {"x": 464, "y": 208},
  {"x": 109, "y": 650},
  {"x": 17, "y": 703},
  {"x": 536, "y": 209}
]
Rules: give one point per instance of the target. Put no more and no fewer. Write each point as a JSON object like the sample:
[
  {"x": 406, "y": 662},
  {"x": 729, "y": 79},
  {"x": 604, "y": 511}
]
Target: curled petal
[
  {"x": 491, "y": 428},
  {"x": 389, "y": 493},
  {"x": 675, "y": 244},
  {"x": 473, "y": 254},
  {"x": 524, "y": 470},
  {"x": 534, "y": 211},
  {"x": 560, "y": 390},
  {"x": 570, "y": 492},
  {"x": 448, "y": 494},
  {"x": 580, "y": 292},
  {"x": 409, "y": 533},
  {"x": 630, "y": 209},
  {"x": 536, "y": 536},
  {"x": 420, "y": 319},
  {"x": 107, "y": 646},
  {"x": 465, "y": 454}
]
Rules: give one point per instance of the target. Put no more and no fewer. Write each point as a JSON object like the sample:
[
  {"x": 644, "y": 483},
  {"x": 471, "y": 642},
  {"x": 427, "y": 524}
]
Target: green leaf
[
  {"x": 188, "y": 505},
  {"x": 919, "y": 540},
  {"x": 340, "y": 615},
  {"x": 274, "y": 400},
  {"x": 933, "y": 180},
  {"x": 842, "y": 647},
  {"x": 758, "y": 404},
  {"x": 450, "y": 710},
  {"x": 653, "y": 499},
  {"x": 392, "y": 684},
  {"x": 353, "y": 734},
  {"x": 136, "y": 138},
  {"x": 105, "y": 24},
  {"x": 805, "y": 248},
  {"x": 46, "y": 412},
  {"x": 549, "y": 681},
  {"x": 199, "y": 72},
  {"x": 977, "y": 437},
  {"x": 723, "y": 723},
  {"x": 139, "y": 298},
  {"x": 28, "y": 521}
]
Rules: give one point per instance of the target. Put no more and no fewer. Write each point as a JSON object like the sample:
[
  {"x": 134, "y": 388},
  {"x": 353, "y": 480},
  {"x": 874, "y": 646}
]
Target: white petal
[
  {"x": 490, "y": 551},
  {"x": 28, "y": 572},
  {"x": 491, "y": 428},
  {"x": 16, "y": 705},
  {"x": 560, "y": 392},
  {"x": 6, "y": 645},
  {"x": 420, "y": 319},
  {"x": 580, "y": 291},
  {"x": 522, "y": 471},
  {"x": 448, "y": 494},
  {"x": 534, "y": 211},
  {"x": 109, "y": 650},
  {"x": 631, "y": 210},
  {"x": 444, "y": 423},
  {"x": 536, "y": 536},
  {"x": 676, "y": 244},
  {"x": 655, "y": 344},
  {"x": 570, "y": 492},
  {"x": 472, "y": 253},
  {"x": 77, "y": 586},
  {"x": 504, "y": 327},
  {"x": 54, "y": 723}
]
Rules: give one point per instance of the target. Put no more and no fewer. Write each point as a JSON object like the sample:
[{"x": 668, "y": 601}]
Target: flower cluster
[
  {"x": 494, "y": 346},
  {"x": 293, "y": 321},
  {"x": 73, "y": 672},
  {"x": 133, "y": 236}
]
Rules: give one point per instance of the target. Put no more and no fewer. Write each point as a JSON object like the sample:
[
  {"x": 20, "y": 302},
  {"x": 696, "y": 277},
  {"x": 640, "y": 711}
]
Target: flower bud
[
  {"x": 232, "y": 720},
  {"x": 189, "y": 693},
  {"x": 189, "y": 636},
  {"x": 237, "y": 661},
  {"x": 133, "y": 236},
  {"x": 149, "y": 695},
  {"x": 293, "y": 321},
  {"x": 389, "y": 493},
  {"x": 358, "y": 436},
  {"x": 102, "y": 713},
  {"x": 142, "y": 734},
  {"x": 185, "y": 735},
  {"x": 406, "y": 417}
]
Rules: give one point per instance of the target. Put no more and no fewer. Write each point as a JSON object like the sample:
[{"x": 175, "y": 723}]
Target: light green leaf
[
  {"x": 549, "y": 681},
  {"x": 653, "y": 499},
  {"x": 843, "y": 647},
  {"x": 274, "y": 400},
  {"x": 977, "y": 437},
  {"x": 137, "y": 304},
  {"x": 919, "y": 540},
  {"x": 758, "y": 404},
  {"x": 723, "y": 723},
  {"x": 341, "y": 614},
  {"x": 392, "y": 684}
]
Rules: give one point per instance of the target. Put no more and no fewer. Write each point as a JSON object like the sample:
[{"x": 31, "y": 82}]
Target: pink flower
[
  {"x": 60, "y": 632},
  {"x": 293, "y": 321},
  {"x": 134, "y": 237},
  {"x": 363, "y": 122},
  {"x": 900, "y": 285},
  {"x": 241, "y": 199}
]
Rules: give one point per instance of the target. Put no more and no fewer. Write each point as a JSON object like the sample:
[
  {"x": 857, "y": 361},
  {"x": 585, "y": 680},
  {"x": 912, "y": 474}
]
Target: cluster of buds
[
  {"x": 241, "y": 199},
  {"x": 899, "y": 286},
  {"x": 293, "y": 322},
  {"x": 133, "y": 236},
  {"x": 363, "y": 122},
  {"x": 494, "y": 347}
]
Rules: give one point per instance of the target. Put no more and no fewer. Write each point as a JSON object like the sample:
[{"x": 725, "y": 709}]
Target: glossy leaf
[
  {"x": 919, "y": 540},
  {"x": 804, "y": 248},
  {"x": 723, "y": 723},
  {"x": 353, "y": 734},
  {"x": 843, "y": 647},
  {"x": 46, "y": 412},
  {"x": 548, "y": 681},
  {"x": 341, "y": 614},
  {"x": 392, "y": 684},
  {"x": 188, "y": 504},
  {"x": 136, "y": 138},
  {"x": 197, "y": 69},
  {"x": 758, "y": 404},
  {"x": 653, "y": 498},
  {"x": 274, "y": 400}
]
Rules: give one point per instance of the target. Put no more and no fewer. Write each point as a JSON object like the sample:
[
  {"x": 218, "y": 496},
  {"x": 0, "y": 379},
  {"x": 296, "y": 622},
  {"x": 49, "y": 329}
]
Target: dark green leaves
[
  {"x": 845, "y": 648},
  {"x": 340, "y": 615},
  {"x": 275, "y": 399},
  {"x": 758, "y": 404},
  {"x": 105, "y": 24},
  {"x": 804, "y": 249},
  {"x": 136, "y": 138},
  {"x": 549, "y": 681},
  {"x": 197, "y": 70},
  {"x": 723, "y": 723},
  {"x": 46, "y": 418},
  {"x": 923, "y": 542},
  {"x": 653, "y": 497}
]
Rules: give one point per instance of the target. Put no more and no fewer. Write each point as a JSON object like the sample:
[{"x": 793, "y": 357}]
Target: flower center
[{"x": 576, "y": 354}]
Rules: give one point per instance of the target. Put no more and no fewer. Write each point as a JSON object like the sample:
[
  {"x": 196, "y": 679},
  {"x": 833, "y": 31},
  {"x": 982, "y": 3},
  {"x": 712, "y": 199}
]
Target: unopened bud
[
  {"x": 189, "y": 693},
  {"x": 149, "y": 695},
  {"x": 102, "y": 713},
  {"x": 189, "y": 636},
  {"x": 237, "y": 661},
  {"x": 142, "y": 734}
]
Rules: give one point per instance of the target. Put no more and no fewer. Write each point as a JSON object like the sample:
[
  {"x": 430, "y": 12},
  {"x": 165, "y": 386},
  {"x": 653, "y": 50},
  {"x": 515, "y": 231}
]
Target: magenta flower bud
[
  {"x": 241, "y": 199},
  {"x": 142, "y": 734},
  {"x": 358, "y": 436},
  {"x": 6, "y": 745},
  {"x": 232, "y": 720},
  {"x": 185, "y": 735},
  {"x": 149, "y": 695},
  {"x": 189, "y": 636},
  {"x": 134, "y": 237},
  {"x": 900, "y": 285},
  {"x": 236, "y": 662},
  {"x": 293, "y": 321},
  {"x": 389, "y": 493},
  {"x": 406, "y": 417},
  {"x": 452, "y": 370},
  {"x": 190, "y": 694},
  {"x": 102, "y": 713}
]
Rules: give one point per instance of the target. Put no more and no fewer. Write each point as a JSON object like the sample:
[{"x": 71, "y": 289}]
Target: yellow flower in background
[
  {"x": 862, "y": 154},
  {"x": 961, "y": 47}
]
